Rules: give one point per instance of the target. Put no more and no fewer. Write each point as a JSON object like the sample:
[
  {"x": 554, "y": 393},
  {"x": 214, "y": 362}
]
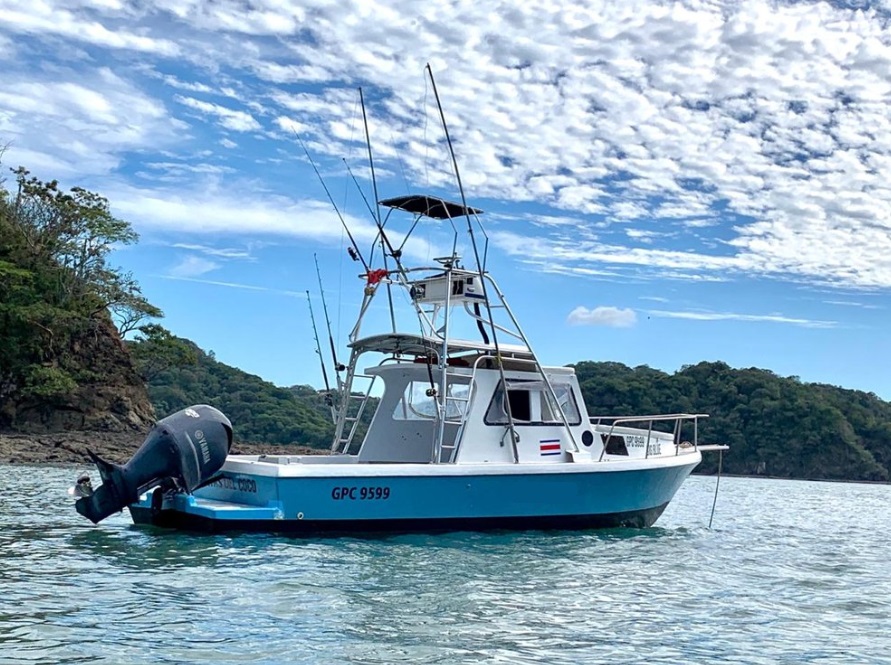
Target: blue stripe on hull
[{"x": 190, "y": 522}]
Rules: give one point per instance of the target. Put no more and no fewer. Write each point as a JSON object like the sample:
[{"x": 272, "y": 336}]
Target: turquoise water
[{"x": 793, "y": 572}]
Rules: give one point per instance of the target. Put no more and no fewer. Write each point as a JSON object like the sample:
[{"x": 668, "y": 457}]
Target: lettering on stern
[
  {"x": 236, "y": 484},
  {"x": 360, "y": 493}
]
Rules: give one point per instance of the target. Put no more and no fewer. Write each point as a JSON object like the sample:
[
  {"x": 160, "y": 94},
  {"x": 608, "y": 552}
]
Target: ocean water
[{"x": 791, "y": 572}]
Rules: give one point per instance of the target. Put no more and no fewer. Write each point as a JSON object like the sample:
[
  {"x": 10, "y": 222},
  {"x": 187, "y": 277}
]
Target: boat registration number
[
  {"x": 636, "y": 441},
  {"x": 237, "y": 484},
  {"x": 361, "y": 493}
]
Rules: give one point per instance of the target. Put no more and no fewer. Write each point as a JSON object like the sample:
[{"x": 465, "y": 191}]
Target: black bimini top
[{"x": 429, "y": 206}]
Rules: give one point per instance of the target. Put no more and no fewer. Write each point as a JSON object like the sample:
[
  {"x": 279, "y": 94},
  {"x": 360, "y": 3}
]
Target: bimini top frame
[{"x": 429, "y": 206}]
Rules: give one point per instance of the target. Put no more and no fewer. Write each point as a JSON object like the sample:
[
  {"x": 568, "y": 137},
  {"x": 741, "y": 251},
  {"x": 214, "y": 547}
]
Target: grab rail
[{"x": 676, "y": 418}]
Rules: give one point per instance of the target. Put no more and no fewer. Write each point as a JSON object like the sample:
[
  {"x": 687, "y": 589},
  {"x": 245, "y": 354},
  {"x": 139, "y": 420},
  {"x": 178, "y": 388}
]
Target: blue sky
[{"x": 663, "y": 183}]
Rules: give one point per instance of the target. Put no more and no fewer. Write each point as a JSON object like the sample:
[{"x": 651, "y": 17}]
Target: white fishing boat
[{"x": 466, "y": 433}]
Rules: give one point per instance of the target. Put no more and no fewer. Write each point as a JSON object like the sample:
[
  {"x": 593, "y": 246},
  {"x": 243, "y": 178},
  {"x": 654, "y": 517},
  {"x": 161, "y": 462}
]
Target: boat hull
[
  {"x": 185, "y": 521},
  {"x": 428, "y": 498}
]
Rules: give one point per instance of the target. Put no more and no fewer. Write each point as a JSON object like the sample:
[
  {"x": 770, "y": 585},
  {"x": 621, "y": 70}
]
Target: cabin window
[
  {"x": 614, "y": 444},
  {"x": 534, "y": 405},
  {"x": 415, "y": 404},
  {"x": 520, "y": 402},
  {"x": 566, "y": 400}
]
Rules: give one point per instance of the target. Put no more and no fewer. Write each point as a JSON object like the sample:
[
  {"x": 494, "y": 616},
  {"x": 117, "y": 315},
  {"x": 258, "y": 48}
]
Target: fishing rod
[
  {"x": 355, "y": 253},
  {"x": 315, "y": 334},
  {"x": 367, "y": 206},
  {"x": 361, "y": 193},
  {"x": 338, "y": 367},
  {"x": 398, "y": 250}
]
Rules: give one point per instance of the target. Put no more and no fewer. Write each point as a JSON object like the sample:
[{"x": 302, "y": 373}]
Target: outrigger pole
[
  {"x": 385, "y": 241},
  {"x": 377, "y": 211},
  {"x": 479, "y": 267},
  {"x": 355, "y": 247}
]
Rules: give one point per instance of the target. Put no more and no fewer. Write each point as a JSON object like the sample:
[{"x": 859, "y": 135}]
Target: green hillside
[
  {"x": 775, "y": 426},
  {"x": 62, "y": 364},
  {"x": 260, "y": 411}
]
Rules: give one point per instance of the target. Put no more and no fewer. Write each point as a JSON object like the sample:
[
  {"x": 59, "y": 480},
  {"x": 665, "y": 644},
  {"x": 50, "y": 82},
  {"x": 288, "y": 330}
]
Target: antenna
[{"x": 346, "y": 228}]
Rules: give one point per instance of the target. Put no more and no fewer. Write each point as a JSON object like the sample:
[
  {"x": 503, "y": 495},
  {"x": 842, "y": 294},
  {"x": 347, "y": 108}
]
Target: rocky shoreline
[{"x": 70, "y": 447}]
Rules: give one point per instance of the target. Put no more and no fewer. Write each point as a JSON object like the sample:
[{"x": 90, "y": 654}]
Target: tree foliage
[
  {"x": 775, "y": 426},
  {"x": 56, "y": 288},
  {"x": 157, "y": 350},
  {"x": 260, "y": 411}
]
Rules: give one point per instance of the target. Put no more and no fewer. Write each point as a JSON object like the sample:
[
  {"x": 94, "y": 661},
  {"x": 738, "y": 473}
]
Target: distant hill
[
  {"x": 260, "y": 411},
  {"x": 775, "y": 426}
]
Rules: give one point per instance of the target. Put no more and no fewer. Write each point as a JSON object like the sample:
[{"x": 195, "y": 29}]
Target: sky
[{"x": 663, "y": 183}]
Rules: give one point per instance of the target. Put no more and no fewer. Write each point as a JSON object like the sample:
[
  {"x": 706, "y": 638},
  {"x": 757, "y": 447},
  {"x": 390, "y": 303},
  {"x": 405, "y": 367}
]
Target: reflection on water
[
  {"x": 157, "y": 548},
  {"x": 792, "y": 572}
]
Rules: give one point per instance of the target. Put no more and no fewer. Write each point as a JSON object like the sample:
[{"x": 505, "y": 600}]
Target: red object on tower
[{"x": 374, "y": 276}]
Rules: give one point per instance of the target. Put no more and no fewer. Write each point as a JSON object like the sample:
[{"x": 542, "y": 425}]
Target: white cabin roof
[{"x": 418, "y": 345}]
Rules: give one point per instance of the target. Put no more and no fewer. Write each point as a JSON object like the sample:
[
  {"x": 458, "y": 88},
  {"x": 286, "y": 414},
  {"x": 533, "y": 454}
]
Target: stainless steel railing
[{"x": 677, "y": 418}]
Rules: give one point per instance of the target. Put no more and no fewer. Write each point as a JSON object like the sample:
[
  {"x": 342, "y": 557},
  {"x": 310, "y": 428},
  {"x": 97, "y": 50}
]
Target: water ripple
[{"x": 793, "y": 572}]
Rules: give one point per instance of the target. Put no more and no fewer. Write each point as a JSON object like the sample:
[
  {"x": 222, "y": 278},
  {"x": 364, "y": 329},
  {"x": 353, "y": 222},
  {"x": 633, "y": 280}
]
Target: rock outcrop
[{"x": 110, "y": 395}]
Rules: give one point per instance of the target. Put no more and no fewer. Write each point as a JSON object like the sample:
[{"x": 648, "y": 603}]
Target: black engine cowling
[{"x": 183, "y": 450}]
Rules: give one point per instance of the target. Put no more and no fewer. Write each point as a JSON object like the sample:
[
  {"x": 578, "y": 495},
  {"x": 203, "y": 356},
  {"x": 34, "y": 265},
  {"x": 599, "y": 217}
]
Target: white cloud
[
  {"x": 750, "y": 318},
  {"x": 758, "y": 130},
  {"x": 211, "y": 208},
  {"x": 221, "y": 252},
  {"x": 193, "y": 266},
  {"x": 78, "y": 124},
  {"x": 850, "y": 303},
  {"x": 235, "y": 285},
  {"x": 614, "y": 317},
  {"x": 175, "y": 170},
  {"x": 50, "y": 18},
  {"x": 237, "y": 121}
]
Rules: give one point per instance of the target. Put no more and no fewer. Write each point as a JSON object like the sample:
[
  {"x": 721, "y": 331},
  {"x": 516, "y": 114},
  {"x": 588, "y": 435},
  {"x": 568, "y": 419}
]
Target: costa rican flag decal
[{"x": 549, "y": 447}]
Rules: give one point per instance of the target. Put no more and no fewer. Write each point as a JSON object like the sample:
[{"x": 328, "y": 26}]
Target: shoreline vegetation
[
  {"x": 84, "y": 363},
  {"x": 71, "y": 447}
]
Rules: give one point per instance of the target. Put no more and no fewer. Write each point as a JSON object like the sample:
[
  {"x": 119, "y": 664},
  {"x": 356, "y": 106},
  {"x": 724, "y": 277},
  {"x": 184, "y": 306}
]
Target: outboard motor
[{"x": 183, "y": 451}]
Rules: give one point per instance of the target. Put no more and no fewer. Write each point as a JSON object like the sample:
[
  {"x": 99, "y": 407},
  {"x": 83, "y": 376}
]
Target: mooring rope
[{"x": 717, "y": 484}]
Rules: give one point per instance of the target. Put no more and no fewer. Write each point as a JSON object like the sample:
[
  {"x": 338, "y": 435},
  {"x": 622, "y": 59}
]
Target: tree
[
  {"x": 129, "y": 308},
  {"x": 73, "y": 233},
  {"x": 58, "y": 290},
  {"x": 156, "y": 350}
]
